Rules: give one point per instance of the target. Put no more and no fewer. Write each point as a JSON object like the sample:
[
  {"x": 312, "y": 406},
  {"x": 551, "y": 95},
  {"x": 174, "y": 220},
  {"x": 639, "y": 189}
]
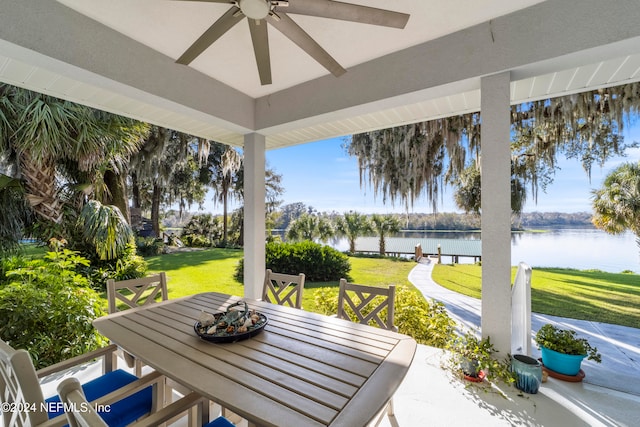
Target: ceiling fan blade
[
  {"x": 347, "y": 12},
  {"x": 260, "y": 39},
  {"x": 221, "y": 26},
  {"x": 291, "y": 30}
]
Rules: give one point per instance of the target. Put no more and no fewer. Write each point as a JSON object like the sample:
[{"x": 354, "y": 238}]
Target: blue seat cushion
[
  {"x": 220, "y": 422},
  {"x": 120, "y": 413}
]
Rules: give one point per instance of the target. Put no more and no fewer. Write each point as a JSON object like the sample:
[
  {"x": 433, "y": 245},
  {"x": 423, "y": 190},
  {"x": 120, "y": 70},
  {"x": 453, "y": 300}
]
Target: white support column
[
  {"x": 496, "y": 210},
  {"x": 254, "y": 214}
]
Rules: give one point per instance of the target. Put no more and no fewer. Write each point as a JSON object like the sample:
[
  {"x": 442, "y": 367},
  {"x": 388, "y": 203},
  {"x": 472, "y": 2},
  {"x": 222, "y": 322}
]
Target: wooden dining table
[{"x": 302, "y": 369}]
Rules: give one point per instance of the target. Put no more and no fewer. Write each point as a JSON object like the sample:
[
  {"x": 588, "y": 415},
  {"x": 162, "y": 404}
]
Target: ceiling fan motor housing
[{"x": 255, "y": 9}]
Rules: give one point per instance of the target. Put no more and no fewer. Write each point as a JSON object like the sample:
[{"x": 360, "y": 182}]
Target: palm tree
[
  {"x": 353, "y": 225},
  {"x": 384, "y": 225},
  {"x": 617, "y": 204},
  {"x": 326, "y": 230},
  {"x": 303, "y": 228},
  {"x": 221, "y": 172},
  {"x": 310, "y": 227},
  {"x": 56, "y": 142},
  {"x": 204, "y": 225}
]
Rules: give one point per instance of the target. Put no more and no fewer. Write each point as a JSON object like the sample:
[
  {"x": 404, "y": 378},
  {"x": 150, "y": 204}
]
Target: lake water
[
  {"x": 577, "y": 248},
  {"x": 580, "y": 248}
]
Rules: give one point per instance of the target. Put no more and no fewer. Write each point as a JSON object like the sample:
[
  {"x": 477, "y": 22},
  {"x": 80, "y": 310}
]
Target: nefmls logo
[{"x": 73, "y": 407}]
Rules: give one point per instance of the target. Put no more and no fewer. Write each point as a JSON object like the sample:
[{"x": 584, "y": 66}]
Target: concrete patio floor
[{"x": 432, "y": 396}]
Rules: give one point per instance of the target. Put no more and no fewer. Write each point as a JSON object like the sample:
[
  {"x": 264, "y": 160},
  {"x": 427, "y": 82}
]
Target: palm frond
[{"x": 105, "y": 228}]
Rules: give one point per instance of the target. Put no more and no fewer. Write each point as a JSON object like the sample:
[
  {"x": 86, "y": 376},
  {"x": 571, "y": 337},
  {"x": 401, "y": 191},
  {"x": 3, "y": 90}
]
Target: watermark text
[{"x": 52, "y": 407}]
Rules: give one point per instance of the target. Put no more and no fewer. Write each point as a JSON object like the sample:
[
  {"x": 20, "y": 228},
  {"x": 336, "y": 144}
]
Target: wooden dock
[{"x": 398, "y": 246}]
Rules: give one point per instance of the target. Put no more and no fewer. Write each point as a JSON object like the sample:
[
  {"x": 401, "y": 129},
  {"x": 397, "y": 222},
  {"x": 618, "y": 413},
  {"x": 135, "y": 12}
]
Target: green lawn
[
  {"x": 33, "y": 250},
  {"x": 367, "y": 271},
  {"x": 194, "y": 272},
  {"x": 212, "y": 270},
  {"x": 588, "y": 295}
]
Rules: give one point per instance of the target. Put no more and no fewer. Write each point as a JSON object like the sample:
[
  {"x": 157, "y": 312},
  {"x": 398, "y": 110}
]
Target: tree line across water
[
  {"x": 290, "y": 218},
  {"x": 448, "y": 220}
]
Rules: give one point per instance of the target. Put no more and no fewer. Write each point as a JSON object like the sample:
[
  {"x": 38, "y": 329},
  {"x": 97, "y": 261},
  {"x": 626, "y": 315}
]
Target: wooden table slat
[
  {"x": 389, "y": 376},
  {"x": 263, "y": 361},
  {"x": 262, "y": 378},
  {"x": 346, "y": 367}
]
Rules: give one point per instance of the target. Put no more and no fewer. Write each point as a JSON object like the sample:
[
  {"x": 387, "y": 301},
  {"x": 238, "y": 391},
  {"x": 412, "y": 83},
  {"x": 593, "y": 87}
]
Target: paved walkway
[{"x": 619, "y": 345}]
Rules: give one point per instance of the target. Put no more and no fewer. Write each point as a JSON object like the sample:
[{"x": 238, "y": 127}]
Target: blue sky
[{"x": 321, "y": 174}]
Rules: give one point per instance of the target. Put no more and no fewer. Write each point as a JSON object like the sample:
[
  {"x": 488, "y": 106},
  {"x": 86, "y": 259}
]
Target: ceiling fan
[{"x": 276, "y": 13}]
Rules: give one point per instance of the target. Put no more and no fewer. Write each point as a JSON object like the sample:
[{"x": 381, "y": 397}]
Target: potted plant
[
  {"x": 474, "y": 358},
  {"x": 563, "y": 351}
]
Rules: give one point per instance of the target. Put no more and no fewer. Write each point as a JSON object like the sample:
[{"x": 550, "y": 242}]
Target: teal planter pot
[
  {"x": 567, "y": 364},
  {"x": 528, "y": 373}
]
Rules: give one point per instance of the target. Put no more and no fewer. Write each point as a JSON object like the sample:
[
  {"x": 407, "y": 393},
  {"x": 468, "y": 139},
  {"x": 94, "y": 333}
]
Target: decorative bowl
[{"x": 235, "y": 324}]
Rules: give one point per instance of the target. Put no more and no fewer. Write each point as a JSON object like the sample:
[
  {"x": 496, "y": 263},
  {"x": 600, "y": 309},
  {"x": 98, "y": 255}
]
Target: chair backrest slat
[
  {"x": 20, "y": 388},
  {"x": 367, "y": 304},
  {"x": 72, "y": 395},
  {"x": 136, "y": 292},
  {"x": 283, "y": 289}
]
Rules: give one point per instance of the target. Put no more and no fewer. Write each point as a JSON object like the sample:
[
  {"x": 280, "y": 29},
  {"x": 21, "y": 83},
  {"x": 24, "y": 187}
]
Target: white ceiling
[
  {"x": 124, "y": 63},
  {"x": 170, "y": 27}
]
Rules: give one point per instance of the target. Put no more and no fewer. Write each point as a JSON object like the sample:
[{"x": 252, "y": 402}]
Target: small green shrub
[
  {"x": 319, "y": 263},
  {"x": 149, "y": 246},
  {"x": 128, "y": 265},
  {"x": 425, "y": 321},
  {"x": 326, "y": 301},
  {"x": 52, "y": 324},
  {"x": 202, "y": 231},
  {"x": 196, "y": 241},
  {"x": 54, "y": 269},
  {"x": 10, "y": 263},
  {"x": 47, "y": 308}
]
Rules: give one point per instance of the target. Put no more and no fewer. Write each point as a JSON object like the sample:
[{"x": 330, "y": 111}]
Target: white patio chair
[
  {"x": 140, "y": 292},
  {"x": 127, "y": 396},
  {"x": 283, "y": 289},
  {"x": 132, "y": 293},
  {"x": 367, "y": 304},
  {"x": 81, "y": 414}
]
